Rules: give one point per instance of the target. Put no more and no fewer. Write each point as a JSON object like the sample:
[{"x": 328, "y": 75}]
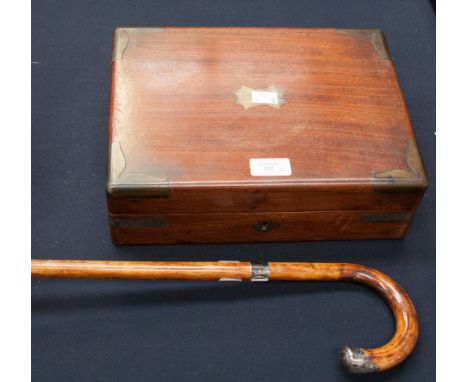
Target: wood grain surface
[
  {"x": 181, "y": 138},
  {"x": 355, "y": 360},
  {"x": 257, "y": 227}
]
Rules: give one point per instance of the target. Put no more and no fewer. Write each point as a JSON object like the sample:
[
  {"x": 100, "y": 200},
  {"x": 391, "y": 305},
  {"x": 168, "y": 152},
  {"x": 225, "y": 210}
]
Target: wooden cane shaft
[
  {"x": 141, "y": 270},
  {"x": 355, "y": 360}
]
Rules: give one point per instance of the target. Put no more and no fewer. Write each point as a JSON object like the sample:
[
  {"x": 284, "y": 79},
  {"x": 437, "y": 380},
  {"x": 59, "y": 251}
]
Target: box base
[{"x": 258, "y": 227}]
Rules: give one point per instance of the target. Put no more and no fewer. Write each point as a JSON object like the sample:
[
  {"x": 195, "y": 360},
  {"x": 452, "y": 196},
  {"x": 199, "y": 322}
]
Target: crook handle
[{"x": 354, "y": 359}]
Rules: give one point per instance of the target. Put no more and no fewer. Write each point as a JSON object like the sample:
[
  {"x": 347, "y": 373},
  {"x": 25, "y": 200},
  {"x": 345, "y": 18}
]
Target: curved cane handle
[{"x": 354, "y": 359}]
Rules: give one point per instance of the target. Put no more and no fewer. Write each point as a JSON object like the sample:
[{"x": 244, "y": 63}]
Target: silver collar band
[{"x": 259, "y": 272}]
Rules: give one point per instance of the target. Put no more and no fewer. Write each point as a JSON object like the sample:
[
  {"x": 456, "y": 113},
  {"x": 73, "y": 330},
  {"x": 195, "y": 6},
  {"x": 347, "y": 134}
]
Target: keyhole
[{"x": 263, "y": 226}]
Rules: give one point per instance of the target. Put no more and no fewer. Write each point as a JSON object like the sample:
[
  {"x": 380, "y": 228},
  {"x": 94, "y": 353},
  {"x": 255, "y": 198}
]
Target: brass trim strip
[
  {"x": 386, "y": 217},
  {"x": 157, "y": 221},
  {"x": 376, "y": 38}
]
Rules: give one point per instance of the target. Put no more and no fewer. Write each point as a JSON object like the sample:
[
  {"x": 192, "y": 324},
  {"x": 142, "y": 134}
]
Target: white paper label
[
  {"x": 270, "y": 98},
  {"x": 270, "y": 167}
]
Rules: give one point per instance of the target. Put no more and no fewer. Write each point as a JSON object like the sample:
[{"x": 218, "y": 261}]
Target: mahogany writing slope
[{"x": 258, "y": 134}]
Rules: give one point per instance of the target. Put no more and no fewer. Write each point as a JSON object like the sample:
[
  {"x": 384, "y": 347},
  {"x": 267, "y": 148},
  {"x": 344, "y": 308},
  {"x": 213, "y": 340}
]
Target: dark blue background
[{"x": 176, "y": 331}]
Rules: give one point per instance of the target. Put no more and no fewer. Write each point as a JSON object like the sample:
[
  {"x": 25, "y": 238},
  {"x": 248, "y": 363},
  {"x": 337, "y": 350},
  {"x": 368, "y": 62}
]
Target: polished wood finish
[
  {"x": 141, "y": 270},
  {"x": 181, "y": 139},
  {"x": 407, "y": 329},
  {"x": 258, "y": 227},
  {"x": 355, "y": 360}
]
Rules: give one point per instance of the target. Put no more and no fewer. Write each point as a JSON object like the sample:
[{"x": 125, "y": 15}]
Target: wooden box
[{"x": 258, "y": 134}]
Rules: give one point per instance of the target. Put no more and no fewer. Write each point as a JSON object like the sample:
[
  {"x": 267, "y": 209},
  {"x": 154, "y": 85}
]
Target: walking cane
[{"x": 354, "y": 359}]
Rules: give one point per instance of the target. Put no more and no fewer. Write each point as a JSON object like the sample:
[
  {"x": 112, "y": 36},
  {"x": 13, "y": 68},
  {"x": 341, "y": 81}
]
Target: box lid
[{"x": 242, "y": 119}]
